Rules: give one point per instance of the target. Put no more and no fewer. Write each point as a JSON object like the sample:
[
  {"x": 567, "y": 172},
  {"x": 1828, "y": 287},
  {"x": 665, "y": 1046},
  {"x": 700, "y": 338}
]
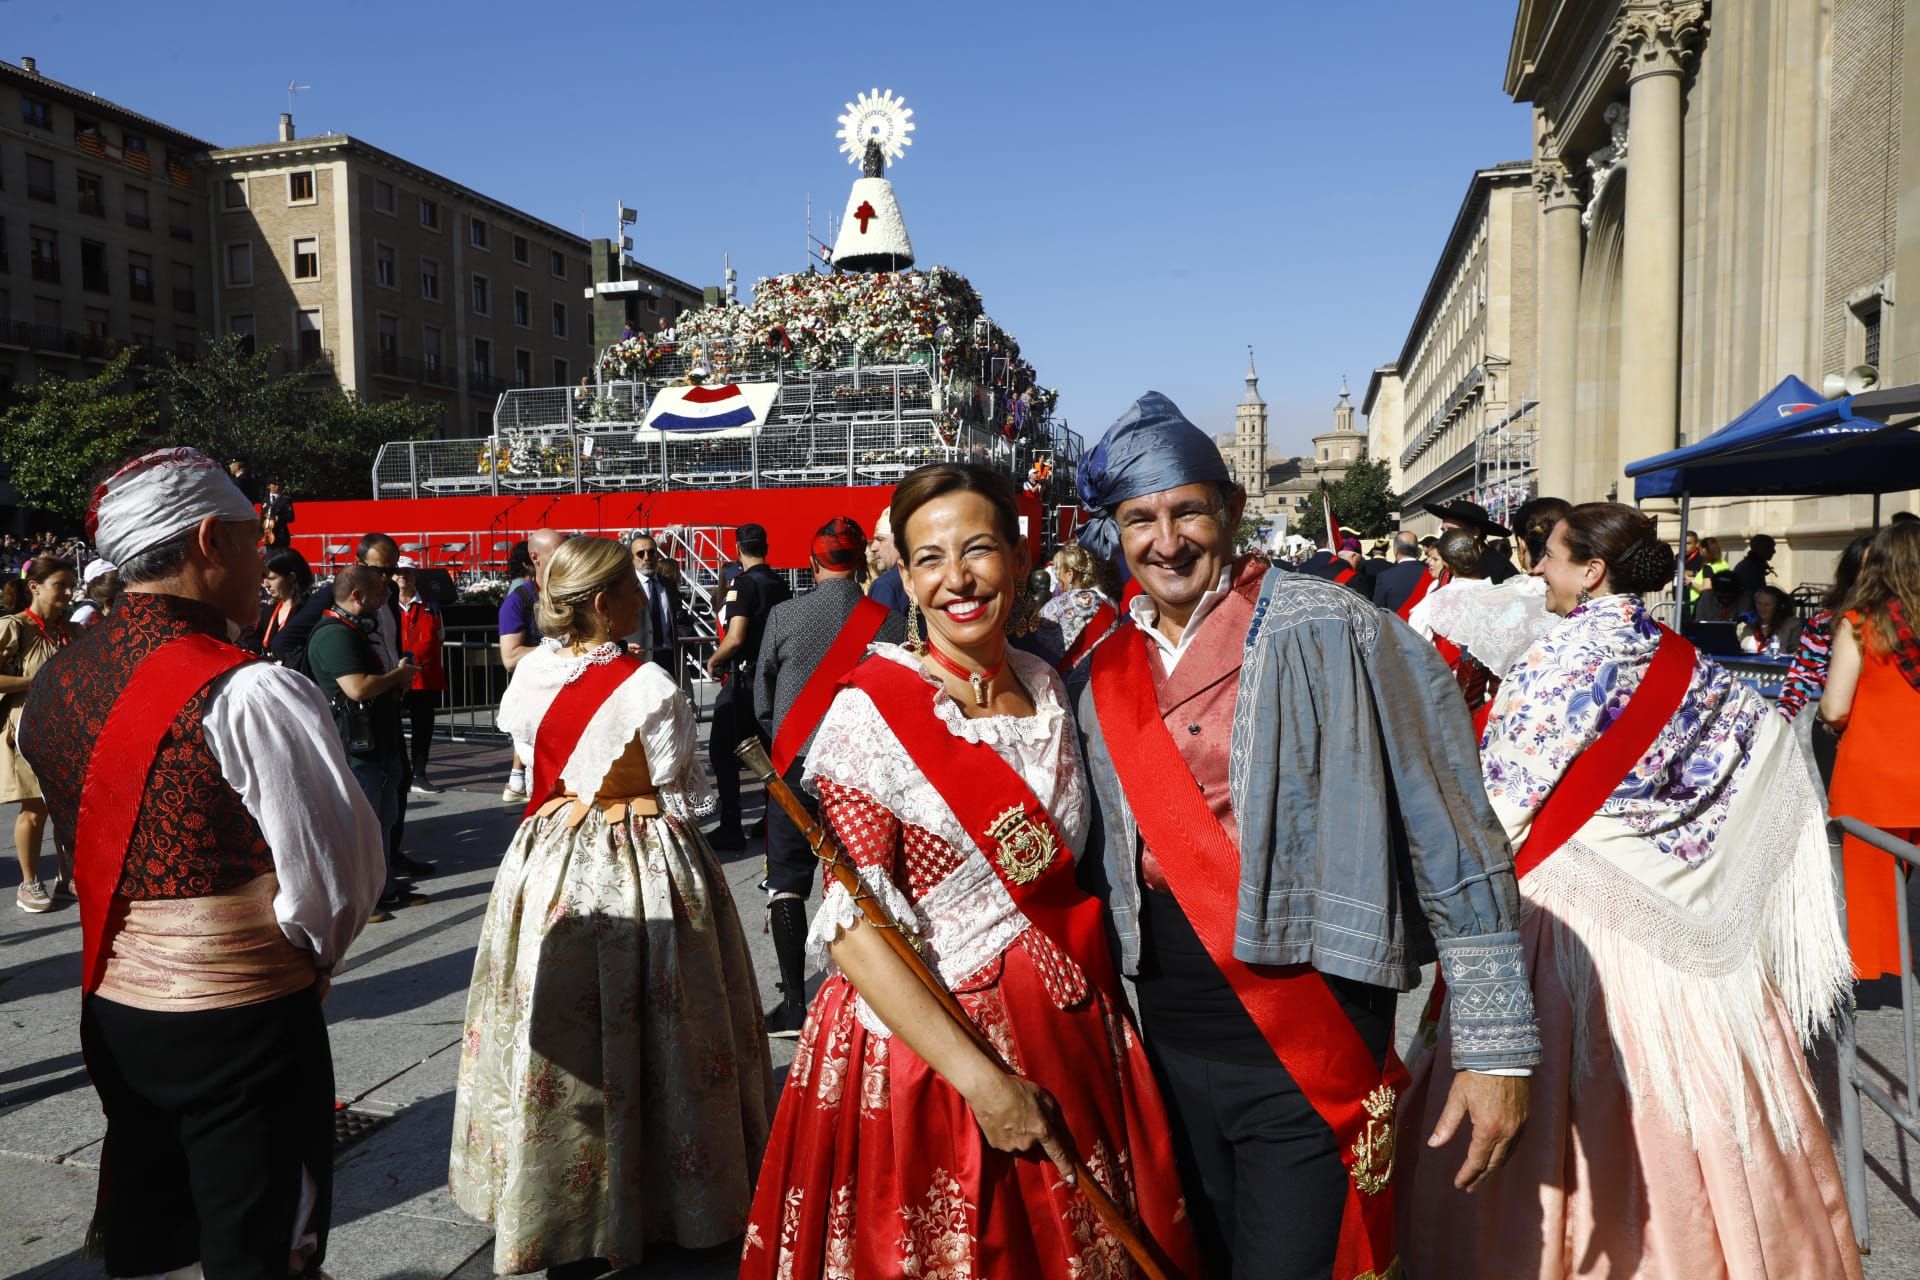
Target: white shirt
[
  {"x": 273, "y": 736},
  {"x": 1145, "y": 613}
]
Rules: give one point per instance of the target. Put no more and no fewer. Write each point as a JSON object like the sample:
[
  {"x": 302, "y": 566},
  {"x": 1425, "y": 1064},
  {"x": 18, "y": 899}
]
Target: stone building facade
[
  {"x": 1278, "y": 489},
  {"x": 1729, "y": 193},
  {"x": 1452, "y": 415}
]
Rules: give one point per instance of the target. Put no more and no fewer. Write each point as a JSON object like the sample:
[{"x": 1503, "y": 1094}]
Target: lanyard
[{"x": 59, "y": 641}]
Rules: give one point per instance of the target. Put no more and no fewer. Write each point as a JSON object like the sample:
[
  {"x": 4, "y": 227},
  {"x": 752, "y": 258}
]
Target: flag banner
[{"x": 728, "y": 410}]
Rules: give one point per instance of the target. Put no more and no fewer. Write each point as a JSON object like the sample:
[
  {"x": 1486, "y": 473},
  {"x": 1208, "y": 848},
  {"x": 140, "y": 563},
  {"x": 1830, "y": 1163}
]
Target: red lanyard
[{"x": 58, "y": 642}]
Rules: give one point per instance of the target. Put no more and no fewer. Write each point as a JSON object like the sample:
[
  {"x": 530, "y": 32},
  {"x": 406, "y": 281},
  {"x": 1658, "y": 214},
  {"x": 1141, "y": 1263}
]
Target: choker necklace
[{"x": 978, "y": 679}]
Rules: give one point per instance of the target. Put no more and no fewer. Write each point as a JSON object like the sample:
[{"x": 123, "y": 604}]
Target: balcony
[
  {"x": 181, "y": 233},
  {"x": 92, "y": 204},
  {"x": 434, "y": 373},
  {"x": 50, "y": 337},
  {"x": 46, "y": 270},
  {"x": 312, "y": 360},
  {"x": 140, "y": 222},
  {"x": 183, "y": 301},
  {"x": 140, "y": 292},
  {"x": 391, "y": 364},
  {"x": 35, "y": 191},
  {"x": 15, "y": 333},
  {"x": 482, "y": 382}
]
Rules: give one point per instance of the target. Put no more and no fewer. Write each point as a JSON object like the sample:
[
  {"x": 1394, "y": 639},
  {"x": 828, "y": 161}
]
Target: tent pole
[
  {"x": 1680, "y": 567},
  {"x": 1876, "y": 512}
]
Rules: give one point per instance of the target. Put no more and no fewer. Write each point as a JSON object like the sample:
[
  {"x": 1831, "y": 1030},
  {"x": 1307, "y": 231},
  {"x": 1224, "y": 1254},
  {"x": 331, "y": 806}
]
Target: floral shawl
[{"x": 1573, "y": 683}]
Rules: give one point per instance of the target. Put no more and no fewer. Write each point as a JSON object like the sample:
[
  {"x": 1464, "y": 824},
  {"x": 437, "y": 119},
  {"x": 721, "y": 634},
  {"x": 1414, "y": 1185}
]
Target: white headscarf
[{"x": 157, "y": 496}]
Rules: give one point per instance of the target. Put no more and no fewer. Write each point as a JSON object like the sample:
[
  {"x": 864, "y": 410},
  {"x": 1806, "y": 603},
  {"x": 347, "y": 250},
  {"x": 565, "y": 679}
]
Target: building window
[
  {"x": 300, "y": 187},
  {"x": 183, "y": 298},
  {"x": 240, "y": 264},
  {"x": 430, "y": 350},
  {"x": 140, "y": 277},
  {"x": 523, "y": 308},
  {"x": 133, "y": 142},
  {"x": 140, "y": 328},
  {"x": 40, "y": 179},
  {"x": 559, "y": 319},
  {"x": 384, "y": 274},
  {"x": 477, "y": 232},
  {"x": 383, "y": 200},
  {"x": 560, "y": 378},
  {"x": 36, "y": 113},
  {"x": 242, "y": 326},
  {"x": 1863, "y": 337},
  {"x": 387, "y": 336},
  {"x": 522, "y": 367},
  {"x": 44, "y": 252},
  {"x": 136, "y": 206},
  {"x": 306, "y": 258},
  {"x": 429, "y": 214},
  {"x": 520, "y": 250},
  {"x": 93, "y": 267},
  {"x": 236, "y": 193},
  {"x": 306, "y": 327},
  {"x": 93, "y": 197},
  {"x": 482, "y": 296},
  {"x": 430, "y": 279},
  {"x": 180, "y": 220},
  {"x": 186, "y": 343},
  {"x": 482, "y": 358},
  {"x": 556, "y": 264}
]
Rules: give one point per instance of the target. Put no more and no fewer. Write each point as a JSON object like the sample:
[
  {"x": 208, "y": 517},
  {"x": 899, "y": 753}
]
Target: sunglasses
[
  {"x": 382, "y": 570},
  {"x": 646, "y": 555}
]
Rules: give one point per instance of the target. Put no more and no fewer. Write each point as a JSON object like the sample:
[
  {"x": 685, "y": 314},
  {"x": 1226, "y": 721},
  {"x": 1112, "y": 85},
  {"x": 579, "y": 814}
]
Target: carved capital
[
  {"x": 1659, "y": 37},
  {"x": 1554, "y": 183}
]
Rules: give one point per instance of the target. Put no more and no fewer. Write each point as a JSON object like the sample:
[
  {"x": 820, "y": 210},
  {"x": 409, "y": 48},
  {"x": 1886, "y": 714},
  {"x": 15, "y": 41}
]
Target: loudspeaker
[
  {"x": 1862, "y": 377},
  {"x": 437, "y": 585}
]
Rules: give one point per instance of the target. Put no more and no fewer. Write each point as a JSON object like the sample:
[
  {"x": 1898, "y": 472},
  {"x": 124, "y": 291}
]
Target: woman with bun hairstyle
[
  {"x": 1872, "y": 700},
  {"x": 615, "y": 1090},
  {"x": 1499, "y": 625},
  {"x": 1682, "y": 938}
]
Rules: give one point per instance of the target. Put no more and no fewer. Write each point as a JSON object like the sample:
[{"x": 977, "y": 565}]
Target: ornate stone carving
[
  {"x": 1658, "y": 38},
  {"x": 1553, "y": 183},
  {"x": 1606, "y": 161}
]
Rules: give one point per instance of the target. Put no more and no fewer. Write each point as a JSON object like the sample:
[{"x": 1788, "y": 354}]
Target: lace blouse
[
  {"x": 914, "y": 855},
  {"x": 647, "y": 715},
  {"x": 1496, "y": 625}
]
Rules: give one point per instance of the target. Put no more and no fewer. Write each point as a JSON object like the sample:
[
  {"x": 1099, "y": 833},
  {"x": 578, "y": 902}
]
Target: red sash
[
  {"x": 1345, "y": 573},
  {"x": 1097, "y": 626},
  {"x": 816, "y": 695},
  {"x": 1001, "y": 813},
  {"x": 1292, "y": 1005},
  {"x": 110, "y": 794},
  {"x": 1420, "y": 589},
  {"x": 566, "y": 719}
]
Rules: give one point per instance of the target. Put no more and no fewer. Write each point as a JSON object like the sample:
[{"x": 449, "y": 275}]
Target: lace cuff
[
  {"x": 1490, "y": 1002},
  {"x": 837, "y": 913}
]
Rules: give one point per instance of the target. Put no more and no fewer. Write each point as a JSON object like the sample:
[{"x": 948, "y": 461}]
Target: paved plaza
[{"x": 395, "y": 1018}]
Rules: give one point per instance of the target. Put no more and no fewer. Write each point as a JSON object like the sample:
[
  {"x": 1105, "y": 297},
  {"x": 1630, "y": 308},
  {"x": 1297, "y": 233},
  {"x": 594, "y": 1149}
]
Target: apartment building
[{"x": 102, "y": 242}]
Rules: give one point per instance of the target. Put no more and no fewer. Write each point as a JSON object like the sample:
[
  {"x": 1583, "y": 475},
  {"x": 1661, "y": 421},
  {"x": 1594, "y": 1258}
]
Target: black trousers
[
  {"x": 421, "y": 704},
  {"x": 211, "y": 1116},
  {"x": 733, "y": 723},
  {"x": 791, "y": 866},
  {"x": 1265, "y": 1185}
]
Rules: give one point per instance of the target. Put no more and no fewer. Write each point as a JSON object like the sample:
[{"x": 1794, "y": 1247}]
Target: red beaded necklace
[{"x": 978, "y": 679}]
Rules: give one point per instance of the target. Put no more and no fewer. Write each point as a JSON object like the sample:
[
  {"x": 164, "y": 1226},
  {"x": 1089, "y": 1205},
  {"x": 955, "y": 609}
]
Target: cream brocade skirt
[{"x": 615, "y": 1088}]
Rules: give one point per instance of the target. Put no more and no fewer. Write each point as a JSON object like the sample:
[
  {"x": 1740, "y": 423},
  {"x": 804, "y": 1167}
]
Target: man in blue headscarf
[{"x": 1270, "y": 913}]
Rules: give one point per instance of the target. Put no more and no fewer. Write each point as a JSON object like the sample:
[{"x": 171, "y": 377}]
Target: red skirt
[{"x": 876, "y": 1167}]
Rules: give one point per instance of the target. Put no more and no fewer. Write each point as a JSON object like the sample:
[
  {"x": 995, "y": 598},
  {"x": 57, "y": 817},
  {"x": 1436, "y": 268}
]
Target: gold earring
[{"x": 915, "y": 643}]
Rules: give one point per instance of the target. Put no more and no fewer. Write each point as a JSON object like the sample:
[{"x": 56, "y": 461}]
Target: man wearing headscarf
[
  {"x": 1271, "y": 912},
  {"x": 811, "y": 642},
  {"x": 226, "y": 859}
]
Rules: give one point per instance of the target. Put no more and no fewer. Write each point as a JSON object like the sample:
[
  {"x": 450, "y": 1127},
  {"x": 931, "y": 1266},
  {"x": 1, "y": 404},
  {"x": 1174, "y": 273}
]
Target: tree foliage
[
  {"x": 64, "y": 430},
  {"x": 1363, "y": 499}
]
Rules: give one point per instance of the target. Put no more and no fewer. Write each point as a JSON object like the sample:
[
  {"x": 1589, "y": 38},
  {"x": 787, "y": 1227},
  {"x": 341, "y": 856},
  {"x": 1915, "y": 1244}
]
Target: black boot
[{"x": 789, "y": 925}]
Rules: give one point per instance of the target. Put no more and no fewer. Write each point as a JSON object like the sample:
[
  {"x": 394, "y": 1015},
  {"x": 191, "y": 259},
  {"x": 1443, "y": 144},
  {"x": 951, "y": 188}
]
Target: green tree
[
  {"x": 1363, "y": 500},
  {"x": 318, "y": 440},
  {"x": 64, "y": 430},
  {"x": 1251, "y": 535}
]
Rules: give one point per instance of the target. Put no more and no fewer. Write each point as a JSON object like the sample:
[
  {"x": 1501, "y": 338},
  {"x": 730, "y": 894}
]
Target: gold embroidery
[
  {"x": 1373, "y": 1149},
  {"x": 1026, "y": 846},
  {"x": 1394, "y": 1271}
]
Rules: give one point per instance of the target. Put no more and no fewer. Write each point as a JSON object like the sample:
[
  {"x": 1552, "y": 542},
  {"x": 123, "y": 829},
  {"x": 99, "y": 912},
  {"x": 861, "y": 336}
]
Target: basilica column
[
  {"x": 1655, "y": 40},
  {"x": 1559, "y": 440}
]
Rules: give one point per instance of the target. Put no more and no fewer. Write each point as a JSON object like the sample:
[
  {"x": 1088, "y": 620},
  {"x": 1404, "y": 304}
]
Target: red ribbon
[
  {"x": 1097, "y": 626},
  {"x": 816, "y": 695},
  {"x": 566, "y": 720}
]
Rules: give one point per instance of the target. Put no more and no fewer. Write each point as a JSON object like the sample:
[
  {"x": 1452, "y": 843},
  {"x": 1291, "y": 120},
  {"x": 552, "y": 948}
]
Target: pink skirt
[{"x": 1602, "y": 1185}]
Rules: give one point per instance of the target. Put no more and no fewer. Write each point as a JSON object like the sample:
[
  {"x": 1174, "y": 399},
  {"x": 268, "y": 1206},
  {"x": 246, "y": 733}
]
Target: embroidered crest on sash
[
  {"x": 1026, "y": 847},
  {"x": 1372, "y": 1165}
]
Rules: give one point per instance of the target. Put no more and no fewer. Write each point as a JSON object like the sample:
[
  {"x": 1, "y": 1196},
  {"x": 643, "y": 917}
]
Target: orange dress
[{"x": 1876, "y": 778}]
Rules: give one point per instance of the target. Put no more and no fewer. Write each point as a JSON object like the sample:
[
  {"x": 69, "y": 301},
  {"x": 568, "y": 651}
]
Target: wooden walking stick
[{"x": 842, "y": 869}]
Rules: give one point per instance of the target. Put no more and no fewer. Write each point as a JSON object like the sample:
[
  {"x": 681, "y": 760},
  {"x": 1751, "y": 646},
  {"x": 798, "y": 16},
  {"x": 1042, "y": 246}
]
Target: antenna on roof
[{"x": 293, "y": 88}]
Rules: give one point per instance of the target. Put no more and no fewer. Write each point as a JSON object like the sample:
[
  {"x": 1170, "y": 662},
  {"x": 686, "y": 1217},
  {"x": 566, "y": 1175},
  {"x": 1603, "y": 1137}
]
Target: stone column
[
  {"x": 1559, "y": 320},
  {"x": 1655, "y": 41}
]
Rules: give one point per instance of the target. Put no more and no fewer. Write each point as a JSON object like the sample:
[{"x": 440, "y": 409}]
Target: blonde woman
[
  {"x": 615, "y": 1089},
  {"x": 1080, "y": 608},
  {"x": 27, "y": 640}
]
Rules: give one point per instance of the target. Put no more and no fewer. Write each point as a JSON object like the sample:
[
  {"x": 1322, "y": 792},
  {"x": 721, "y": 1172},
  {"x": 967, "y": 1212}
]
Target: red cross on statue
[{"x": 864, "y": 213}]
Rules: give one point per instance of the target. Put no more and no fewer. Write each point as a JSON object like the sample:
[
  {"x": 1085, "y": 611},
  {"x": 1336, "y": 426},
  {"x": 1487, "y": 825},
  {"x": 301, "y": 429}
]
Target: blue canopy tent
[{"x": 1791, "y": 441}]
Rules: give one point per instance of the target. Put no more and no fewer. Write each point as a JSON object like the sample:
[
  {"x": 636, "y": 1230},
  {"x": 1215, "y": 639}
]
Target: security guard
[{"x": 749, "y": 599}]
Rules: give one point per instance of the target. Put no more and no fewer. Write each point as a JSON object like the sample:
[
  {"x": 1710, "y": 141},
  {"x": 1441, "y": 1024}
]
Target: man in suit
[
  {"x": 664, "y": 609},
  {"x": 1393, "y": 585}
]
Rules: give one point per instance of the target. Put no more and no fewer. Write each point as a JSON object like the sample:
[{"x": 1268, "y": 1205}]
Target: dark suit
[
  {"x": 1391, "y": 588},
  {"x": 665, "y": 613}
]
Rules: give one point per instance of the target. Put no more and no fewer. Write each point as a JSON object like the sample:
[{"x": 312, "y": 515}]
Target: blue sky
[{"x": 1138, "y": 191}]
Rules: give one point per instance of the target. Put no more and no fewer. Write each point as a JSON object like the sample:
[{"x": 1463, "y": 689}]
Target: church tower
[{"x": 1249, "y": 461}]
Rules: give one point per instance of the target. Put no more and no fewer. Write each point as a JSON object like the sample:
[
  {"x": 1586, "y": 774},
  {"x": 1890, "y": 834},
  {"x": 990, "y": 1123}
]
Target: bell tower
[{"x": 1249, "y": 462}]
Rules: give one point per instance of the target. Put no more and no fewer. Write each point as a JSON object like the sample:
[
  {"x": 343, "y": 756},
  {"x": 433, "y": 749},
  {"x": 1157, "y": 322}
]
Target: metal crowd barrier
[{"x": 1854, "y": 1084}]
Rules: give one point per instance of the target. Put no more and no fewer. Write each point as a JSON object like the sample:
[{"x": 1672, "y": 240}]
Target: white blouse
[{"x": 647, "y": 706}]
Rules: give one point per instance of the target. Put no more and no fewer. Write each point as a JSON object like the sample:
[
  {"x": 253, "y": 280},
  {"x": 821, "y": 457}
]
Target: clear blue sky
[{"x": 1138, "y": 191}]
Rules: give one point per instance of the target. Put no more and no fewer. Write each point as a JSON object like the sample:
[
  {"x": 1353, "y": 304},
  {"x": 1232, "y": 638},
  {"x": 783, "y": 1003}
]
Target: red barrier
[{"x": 790, "y": 515}]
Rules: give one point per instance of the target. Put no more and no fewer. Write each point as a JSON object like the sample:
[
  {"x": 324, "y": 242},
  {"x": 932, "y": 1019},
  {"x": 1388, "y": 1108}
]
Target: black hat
[
  {"x": 1472, "y": 515},
  {"x": 751, "y": 539}
]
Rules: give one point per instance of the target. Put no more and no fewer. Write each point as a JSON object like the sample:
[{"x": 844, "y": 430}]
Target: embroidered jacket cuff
[{"x": 1489, "y": 1002}]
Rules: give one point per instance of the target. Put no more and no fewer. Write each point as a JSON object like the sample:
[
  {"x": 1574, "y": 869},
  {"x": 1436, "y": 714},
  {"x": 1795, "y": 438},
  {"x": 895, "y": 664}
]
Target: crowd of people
[{"x": 1115, "y": 868}]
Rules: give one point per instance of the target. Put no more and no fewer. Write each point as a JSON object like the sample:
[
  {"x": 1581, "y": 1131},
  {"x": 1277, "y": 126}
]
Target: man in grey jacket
[{"x": 1333, "y": 762}]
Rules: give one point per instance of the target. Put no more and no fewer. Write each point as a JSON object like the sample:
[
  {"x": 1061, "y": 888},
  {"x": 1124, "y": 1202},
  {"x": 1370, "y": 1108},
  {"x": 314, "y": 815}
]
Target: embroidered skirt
[
  {"x": 877, "y": 1167},
  {"x": 615, "y": 1087}
]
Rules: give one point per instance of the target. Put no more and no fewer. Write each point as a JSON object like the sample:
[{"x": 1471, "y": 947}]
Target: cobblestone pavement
[{"x": 395, "y": 1019}]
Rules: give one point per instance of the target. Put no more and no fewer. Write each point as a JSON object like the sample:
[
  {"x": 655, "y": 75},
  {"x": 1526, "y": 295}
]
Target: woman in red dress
[{"x": 899, "y": 1148}]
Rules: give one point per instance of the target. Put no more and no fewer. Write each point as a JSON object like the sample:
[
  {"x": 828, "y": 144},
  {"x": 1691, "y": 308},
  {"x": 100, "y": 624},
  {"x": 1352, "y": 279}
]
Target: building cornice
[
  {"x": 35, "y": 83},
  {"x": 1472, "y": 208},
  {"x": 1374, "y": 384}
]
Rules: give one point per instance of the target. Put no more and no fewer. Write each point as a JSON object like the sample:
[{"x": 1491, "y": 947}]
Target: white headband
[{"x": 158, "y": 495}]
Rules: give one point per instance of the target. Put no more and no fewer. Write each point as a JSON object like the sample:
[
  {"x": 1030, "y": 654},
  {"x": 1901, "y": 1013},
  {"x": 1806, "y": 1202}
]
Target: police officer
[{"x": 749, "y": 599}]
